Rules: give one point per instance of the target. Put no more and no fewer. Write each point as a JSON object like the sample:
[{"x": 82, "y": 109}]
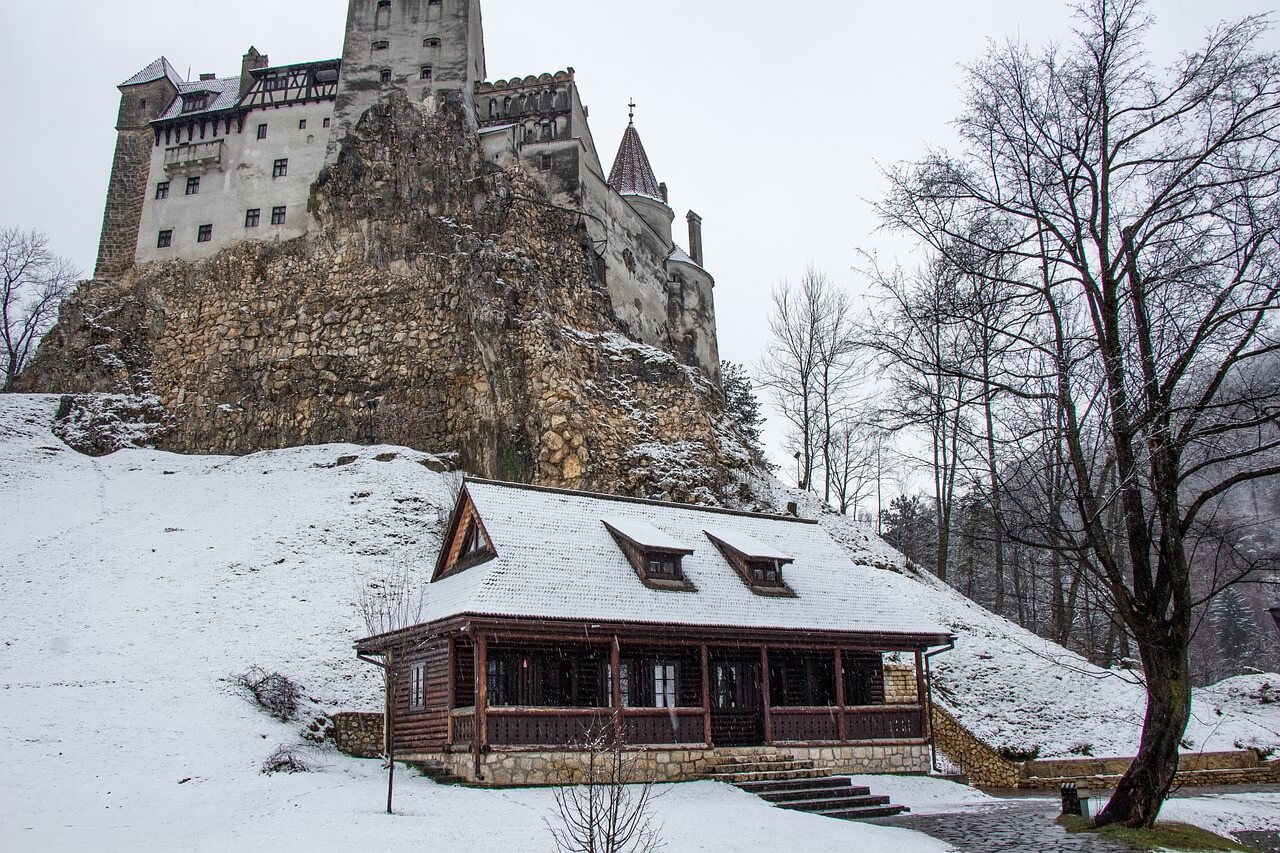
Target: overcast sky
[{"x": 771, "y": 120}]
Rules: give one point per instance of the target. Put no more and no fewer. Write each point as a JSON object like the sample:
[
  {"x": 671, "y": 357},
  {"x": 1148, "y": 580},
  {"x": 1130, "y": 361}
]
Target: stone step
[
  {"x": 796, "y": 794},
  {"x": 802, "y": 784},
  {"x": 757, "y": 758},
  {"x": 842, "y": 802},
  {"x": 864, "y": 813},
  {"x": 437, "y": 773},
  {"x": 761, "y": 766},
  {"x": 770, "y": 775}
]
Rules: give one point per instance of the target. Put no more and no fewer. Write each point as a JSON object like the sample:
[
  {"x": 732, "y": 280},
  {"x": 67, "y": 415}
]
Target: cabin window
[
  {"x": 657, "y": 681},
  {"x": 385, "y": 75},
  {"x": 262, "y": 131},
  {"x": 418, "y": 687},
  {"x": 277, "y": 215},
  {"x": 193, "y": 186},
  {"x": 280, "y": 168},
  {"x": 863, "y": 679},
  {"x": 204, "y": 234},
  {"x": 165, "y": 240},
  {"x": 252, "y": 216},
  {"x": 425, "y": 74},
  {"x": 565, "y": 678},
  {"x": 801, "y": 679},
  {"x": 765, "y": 572},
  {"x": 473, "y": 542},
  {"x": 162, "y": 189},
  {"x": 664, "y": 684},
  {"x": 664, "y": 566}
]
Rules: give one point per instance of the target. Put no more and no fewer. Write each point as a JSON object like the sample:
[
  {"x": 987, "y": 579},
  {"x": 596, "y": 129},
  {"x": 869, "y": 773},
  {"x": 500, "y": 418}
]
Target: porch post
[
  {"x": 706, "y": 696},
  {"x": 615, "y": 667},
  {"x": 481, "y": 739},
  {"x": 927, "y": 728},
  {"x": 451, "y": 698},
  {"x": 764, "y": 694},
  {"x": 842, "y": 725}
]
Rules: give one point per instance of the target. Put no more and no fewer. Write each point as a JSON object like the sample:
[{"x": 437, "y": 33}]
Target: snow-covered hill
[{"x": 133, "y": 586}]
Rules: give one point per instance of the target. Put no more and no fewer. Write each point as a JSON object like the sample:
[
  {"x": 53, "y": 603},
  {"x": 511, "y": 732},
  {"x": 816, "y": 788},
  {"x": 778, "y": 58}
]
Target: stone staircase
[
  {"x": 795, "y": 784},
  {"x": 437, "y": 772}
]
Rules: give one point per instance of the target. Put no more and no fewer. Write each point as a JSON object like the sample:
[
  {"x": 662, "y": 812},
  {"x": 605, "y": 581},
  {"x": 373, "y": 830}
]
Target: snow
[
  {"x": 134, "y": 585},
  {"x": 747, "y": 545},
  {"x": 1226, "y": 814},
  {"x": 643, "y": 533},
  {"x": 926, "y": 795}
]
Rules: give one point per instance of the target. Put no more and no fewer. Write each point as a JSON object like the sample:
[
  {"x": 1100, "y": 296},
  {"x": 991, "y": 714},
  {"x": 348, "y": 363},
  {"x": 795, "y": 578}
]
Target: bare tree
[
  {"x": 791, "y": 368},
  {"x": 33, "y": 283},
  {"x": 1143, "y": 209},
  {"x": 388, "y": 603},
  {"x": 607, "y": 807}
]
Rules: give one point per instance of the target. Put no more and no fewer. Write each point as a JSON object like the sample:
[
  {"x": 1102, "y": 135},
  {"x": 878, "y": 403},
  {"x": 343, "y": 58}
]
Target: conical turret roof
[{"x": 632, "y": 174}]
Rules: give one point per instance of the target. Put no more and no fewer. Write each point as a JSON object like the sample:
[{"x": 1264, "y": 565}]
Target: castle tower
[
  {"x": 632, "y": 176},
  {"x": 423, "y": 47},
  {"x": 143, "y": 97}
]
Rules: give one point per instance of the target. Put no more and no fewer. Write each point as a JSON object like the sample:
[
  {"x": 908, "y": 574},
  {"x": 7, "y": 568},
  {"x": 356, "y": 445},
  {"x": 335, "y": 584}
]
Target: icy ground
[{"x": 133, "y": 586}]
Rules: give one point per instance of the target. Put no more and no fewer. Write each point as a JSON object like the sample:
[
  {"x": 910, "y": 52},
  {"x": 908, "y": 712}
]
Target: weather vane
[{"x": 631, "y": 116}]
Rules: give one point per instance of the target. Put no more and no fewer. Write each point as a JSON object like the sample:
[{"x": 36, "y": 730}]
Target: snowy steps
[
  {"x": 437, "y": 773},
  {"x": 789, "y": 783}
]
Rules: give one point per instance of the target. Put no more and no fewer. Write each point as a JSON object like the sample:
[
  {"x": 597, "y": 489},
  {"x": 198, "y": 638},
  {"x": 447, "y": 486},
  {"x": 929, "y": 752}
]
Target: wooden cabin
[{"x": 692, "y": 633}]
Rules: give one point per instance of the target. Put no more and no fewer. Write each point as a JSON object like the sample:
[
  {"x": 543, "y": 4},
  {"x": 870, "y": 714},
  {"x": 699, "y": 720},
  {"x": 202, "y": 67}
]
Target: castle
[{"x": 207, "y": 164}]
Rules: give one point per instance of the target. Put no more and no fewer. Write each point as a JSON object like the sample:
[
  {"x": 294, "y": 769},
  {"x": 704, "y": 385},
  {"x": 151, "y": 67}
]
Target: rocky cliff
[{"x": 440, "y": 303}]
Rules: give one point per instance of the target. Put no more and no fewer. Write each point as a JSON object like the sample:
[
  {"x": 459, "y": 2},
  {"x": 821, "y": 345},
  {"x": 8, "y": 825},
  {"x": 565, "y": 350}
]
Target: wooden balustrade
[{"x": 822, "y": 725}]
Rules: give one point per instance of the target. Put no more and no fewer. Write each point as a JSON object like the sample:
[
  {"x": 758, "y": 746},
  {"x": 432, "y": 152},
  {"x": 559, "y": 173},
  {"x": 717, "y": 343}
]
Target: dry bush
[
  {"x": 274, "y": 692},
  {"x": 287, "y": 759}
]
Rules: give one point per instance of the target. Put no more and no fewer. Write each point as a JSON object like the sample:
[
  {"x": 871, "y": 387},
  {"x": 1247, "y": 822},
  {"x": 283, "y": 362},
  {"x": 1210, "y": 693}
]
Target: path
[{"x": 1014, "y": 826}]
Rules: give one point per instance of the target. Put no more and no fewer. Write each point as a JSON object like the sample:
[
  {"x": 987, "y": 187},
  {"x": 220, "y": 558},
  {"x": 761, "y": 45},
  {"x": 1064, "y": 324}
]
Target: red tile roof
[{"x": 632, "y": 174}]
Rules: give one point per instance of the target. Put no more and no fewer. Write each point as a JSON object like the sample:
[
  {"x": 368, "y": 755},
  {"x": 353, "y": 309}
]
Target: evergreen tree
[
  {"x": 1234, "y": 628},
  {"x": 742, "y": 404}
]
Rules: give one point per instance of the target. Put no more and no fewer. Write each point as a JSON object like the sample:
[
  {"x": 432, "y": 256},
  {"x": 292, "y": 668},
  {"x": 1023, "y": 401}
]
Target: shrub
[
  {"x": 287, "y": 759},
  {"x": 275, "y": 693}
]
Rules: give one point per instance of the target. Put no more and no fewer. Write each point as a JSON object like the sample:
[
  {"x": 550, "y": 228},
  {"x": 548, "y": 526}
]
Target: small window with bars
[{"x": 418, "y": 687}]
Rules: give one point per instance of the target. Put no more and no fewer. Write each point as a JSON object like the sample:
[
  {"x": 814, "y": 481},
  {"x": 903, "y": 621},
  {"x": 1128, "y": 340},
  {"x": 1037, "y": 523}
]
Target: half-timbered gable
[{"x": 551, "y": 617}]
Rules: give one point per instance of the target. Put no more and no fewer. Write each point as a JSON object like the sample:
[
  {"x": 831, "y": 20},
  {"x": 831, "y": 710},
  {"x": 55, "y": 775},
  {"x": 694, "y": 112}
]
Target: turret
[{"x": 632, "y": 176}]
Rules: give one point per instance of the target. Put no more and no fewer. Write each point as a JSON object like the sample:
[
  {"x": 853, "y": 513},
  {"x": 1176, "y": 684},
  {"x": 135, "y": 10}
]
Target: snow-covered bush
[
  {"x": 274, "y": 692},
  {"x": 287, "y": 759}
]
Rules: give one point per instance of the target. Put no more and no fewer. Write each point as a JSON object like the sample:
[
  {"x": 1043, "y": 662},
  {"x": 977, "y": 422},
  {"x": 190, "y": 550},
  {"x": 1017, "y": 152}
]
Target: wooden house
[{"x": 713, "y": 633}]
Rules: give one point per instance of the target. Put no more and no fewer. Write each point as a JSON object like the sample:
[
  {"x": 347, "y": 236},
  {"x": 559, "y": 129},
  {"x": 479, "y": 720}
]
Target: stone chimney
[
  {"x": 251, "y": 61},
  {"x": 207, "y": 76},
  {"x": 662, "y": 188},
  {"x": 695, "y": 237}
]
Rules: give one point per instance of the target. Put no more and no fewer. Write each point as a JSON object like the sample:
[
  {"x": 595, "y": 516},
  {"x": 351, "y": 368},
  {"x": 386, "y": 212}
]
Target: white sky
[{"x": 771, "y": 120}]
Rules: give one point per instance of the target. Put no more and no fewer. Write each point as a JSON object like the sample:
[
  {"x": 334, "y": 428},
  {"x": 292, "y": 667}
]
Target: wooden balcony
[
  {"x": 866, "y": 723},
  {"x": 569, "y": 727}
]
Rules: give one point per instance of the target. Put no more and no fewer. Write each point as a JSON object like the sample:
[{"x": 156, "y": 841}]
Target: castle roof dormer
[{"x": 632, "y": 174}]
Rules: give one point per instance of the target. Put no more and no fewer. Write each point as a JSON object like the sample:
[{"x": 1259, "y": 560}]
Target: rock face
[{"x": 440, "y": 303}]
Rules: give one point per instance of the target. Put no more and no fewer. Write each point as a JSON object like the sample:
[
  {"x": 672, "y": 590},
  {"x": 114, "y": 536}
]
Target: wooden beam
[
  {"x": 928, "y": 723},
  {"x": 481, "y": 738},
  {"x": 764, "y": 694},
  {"x": 451, "y": 700},
  {"x": 706, "y": 695},
  {"x": 615, "y": 667},
  {"x": 840, "y": 697}
]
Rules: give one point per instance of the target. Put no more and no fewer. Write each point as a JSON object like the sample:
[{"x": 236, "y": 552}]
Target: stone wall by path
[
  {"x": 440, "y": 304},
  {"x": 358, "y": 734},
  {"x": 983, "y": 765}
]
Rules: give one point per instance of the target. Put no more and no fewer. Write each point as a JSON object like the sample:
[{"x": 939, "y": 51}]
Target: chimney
[
  {"x": 695, "y": 237},
  {"x": 252, "y": 60},
  {"x": 793, "y": 509},
  {"x": 662, "y": 188},
  {"x": 206, "y": 77}
]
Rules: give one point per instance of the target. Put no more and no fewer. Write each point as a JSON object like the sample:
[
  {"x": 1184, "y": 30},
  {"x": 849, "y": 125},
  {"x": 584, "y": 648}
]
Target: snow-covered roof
[
  {"x": 154, "y": 71},
  {"x": 680, "y": 256},
  {"x": 747, "y": 545},
  {"x": 556, "y": 559},
  {"x": 643, "y": 533},
  {"x": 631, "y": 173},
  {"x": 223, "y": 95}
]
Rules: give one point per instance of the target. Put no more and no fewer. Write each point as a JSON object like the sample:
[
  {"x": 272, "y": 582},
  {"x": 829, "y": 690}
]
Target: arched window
[
  {"x": 382, "y": 18},
  {"x": 385, "y": 75},
  {"x": 493, "y": 108}
]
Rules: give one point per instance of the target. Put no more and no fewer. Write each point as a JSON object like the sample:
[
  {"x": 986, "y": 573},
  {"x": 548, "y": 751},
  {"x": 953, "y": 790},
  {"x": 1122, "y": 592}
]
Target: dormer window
[
  {"x": 195, "y": 103},
  {"x": 757, "y": 563},
  {"x": 658, "y": 559}
]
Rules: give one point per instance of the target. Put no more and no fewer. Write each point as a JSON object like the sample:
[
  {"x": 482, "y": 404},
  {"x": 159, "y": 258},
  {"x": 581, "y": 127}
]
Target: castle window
[
  {"x": 302, "y": 124},
  {"x": 262, "y": 131},
  {"x": 193, "y": 186},
  {"x": 277, "y": 215},
  {"x": 546, "y": 162},
  {"x": 431, "y": 42},
  {"x": 165, "y": 240},
  {"x": 493, "y": 108},
  {"x": 417, "y": 687},
  {"x": 381, "y": 44},
  {"x": 162, "y": 189},
  {"x": 326, "y": 122},
  {"x": 433, "y": 2},
  {"x": 426, "y": 72},
  {"x": 275, "y": 81},
  {"x": 280, "y": 168},
  {"x": 385, "y": 76},
  {"x": 252, "y": 216},
  {"x": 204, "y": 234}
]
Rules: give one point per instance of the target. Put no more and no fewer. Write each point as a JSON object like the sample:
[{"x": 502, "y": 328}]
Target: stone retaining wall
[
  {"x": 982, "y": 764},
  {"x": 358, "y": 734},
  {"x": 672, "y": 765}
]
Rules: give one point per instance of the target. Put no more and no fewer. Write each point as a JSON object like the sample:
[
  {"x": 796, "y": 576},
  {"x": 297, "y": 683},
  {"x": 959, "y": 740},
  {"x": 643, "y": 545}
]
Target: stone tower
[
  {"x": 143, "y": 97},
  {"x": 424, "y": 47}
]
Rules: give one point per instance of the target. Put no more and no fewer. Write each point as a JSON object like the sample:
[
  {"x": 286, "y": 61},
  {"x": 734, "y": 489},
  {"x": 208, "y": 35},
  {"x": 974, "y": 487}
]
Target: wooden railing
[{"x": 822, "y": 725}]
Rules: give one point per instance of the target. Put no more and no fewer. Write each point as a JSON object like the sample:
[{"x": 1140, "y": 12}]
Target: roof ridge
[{"x": 642, "y": 501}]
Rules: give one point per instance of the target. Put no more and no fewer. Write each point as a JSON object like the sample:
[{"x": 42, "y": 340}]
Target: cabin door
[{"x": 737, "y": 702}]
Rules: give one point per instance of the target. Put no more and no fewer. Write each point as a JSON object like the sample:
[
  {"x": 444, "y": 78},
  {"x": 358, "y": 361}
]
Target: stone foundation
[
  {"x": 512, "y": 768},
  {"x": 358, "y": 734}
]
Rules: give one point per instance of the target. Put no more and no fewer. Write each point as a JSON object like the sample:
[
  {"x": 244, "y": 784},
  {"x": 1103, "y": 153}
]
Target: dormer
[
  {"x": 658, "y": 559},
  {"x": 759, "y": 565},
  {"x": 466, "y": 542},
  {"x": 194, "y": 102}
]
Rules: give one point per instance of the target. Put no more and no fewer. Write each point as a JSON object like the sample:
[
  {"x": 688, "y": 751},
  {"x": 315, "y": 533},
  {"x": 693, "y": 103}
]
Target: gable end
[{"x": 466, "y": 541}]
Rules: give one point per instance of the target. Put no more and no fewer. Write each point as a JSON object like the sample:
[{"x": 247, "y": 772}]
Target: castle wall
[
  {"x": 691, "y": 311},
  {"x": 127, "y": 190},
  {"x": 242, "y": 179},
  {"x": 402, "y": 38}
]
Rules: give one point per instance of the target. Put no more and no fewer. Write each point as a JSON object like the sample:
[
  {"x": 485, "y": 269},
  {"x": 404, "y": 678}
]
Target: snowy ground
[{"x": 133, "y": 586}]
